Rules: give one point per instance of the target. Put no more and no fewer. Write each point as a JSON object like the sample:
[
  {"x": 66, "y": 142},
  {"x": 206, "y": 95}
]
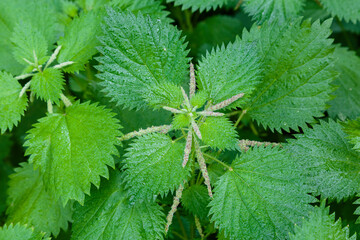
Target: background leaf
[
  {"x": 200, "y": 5},
  {"x": 347, "y": 101},
  {"x": 321, "y": 225},
  {"x": 29, "y": 202},
  {"x": 196, "y": 199},
  {"x": 352, "y": 128},
  {"x": 20, "y": 232},
  {"x": 80, "y": 39},
  {"x": 278, "y": 11},
  {"x": 346, "y": 9}
]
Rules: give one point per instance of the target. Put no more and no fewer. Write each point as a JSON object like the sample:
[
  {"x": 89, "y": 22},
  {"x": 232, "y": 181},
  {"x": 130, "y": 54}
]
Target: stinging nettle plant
[{"x": 258, "y": 138}]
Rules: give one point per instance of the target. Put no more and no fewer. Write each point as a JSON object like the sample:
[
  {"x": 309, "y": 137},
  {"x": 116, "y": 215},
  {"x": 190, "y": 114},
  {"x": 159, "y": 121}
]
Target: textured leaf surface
[
  {"x": 140, "y": 55},
  {"x": 321, "y": 225},
  {"x": 80, "y": 40},
  {"x": 154, "y": 165},
  {"x": 330, "y": 160},
  {"x": 29, "y": 202},
  {"x": 218, "y": 132},
  {"x": 230, "y": 71},
  {"x": 347, "y": 101},
  {"x": 19, "y": 232},
  {"x": 261, "y": 198},
  {"x": 48, "y": 84},
  {"x": 298, "y": 72},
  {"x": 11, "y": 106},
  {"x": 108, "y": 214},
  {"x": 195, "y": 199},
  {"x": 352, "y": 128},
  {"x": 153, "y": 8},
  {"x": 279, "y": 11},
  {"x": 200, "y": 5},
  {"x": 345, "y": 9},
  {"x": 73, "y": 149},
  {"x": 28, "y": 41}
]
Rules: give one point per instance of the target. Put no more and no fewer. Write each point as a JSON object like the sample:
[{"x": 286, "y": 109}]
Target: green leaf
[
  {"x": 41, "y": 15},
  {"x": 140, "y": 55},
  {"x": 321, "y": 225},
  {"x": 352, "y": 128},
  {"x": 261, "y": 197},
  {"x": 347, "y": 101},
  {"x": 195, "y": 199},
  {"x": 278, "y": 11},
  {"x": 200, "y": 5},
  {"x": 79, "y": 41},
  {"x": 180, "y": 121},
  {"x": 72, "y": 149},
  {"x": 29, "y": 202},
  {"x": 153, "y": 8},
  {"x": 328, "y": 159},
  {"x": 218, "y": 132},
  {"x": 20, "y": 232},
  {"x": 108, "y": 214},
  {"x": 229, "y": 71},
  {"x": 12, "y": 107},
  {"x": 298, "y": 73},
  {"x": 213, "y": 31},
  {"x": 48, "y": 84},
  {"x": 154, "y": 166},
  {"x": 345, "y": 9},
  {"x": 29, "y": 43}
]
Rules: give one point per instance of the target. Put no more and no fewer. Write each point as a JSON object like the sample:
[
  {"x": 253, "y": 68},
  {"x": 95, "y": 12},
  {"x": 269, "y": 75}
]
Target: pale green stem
[
  {"x": 240, "y": 117},
  {"x": 23, "y": 90},
  {"x": 50, "y": 106},
  {"x": 65, "y": 100},
  {"x": 218, "y": 161}
]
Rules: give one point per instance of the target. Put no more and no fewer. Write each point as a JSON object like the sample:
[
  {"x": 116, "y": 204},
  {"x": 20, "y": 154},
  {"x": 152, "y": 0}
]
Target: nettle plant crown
[{"x": 279, "y": 75}]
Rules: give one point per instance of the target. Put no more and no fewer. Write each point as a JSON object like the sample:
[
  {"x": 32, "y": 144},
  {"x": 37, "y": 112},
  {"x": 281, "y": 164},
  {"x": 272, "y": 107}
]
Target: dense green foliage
[{"x": 179, "y": 119}]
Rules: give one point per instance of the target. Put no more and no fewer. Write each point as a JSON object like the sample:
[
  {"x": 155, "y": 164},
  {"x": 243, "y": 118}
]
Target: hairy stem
[
  {"x": 65, "y": 100},
  {"x": 203, "y": 168},
  {"x": 174, "y": 206},
  {"x": 162, "y": 129},
  {"x": 245, "y": 144},
  {"x": 198, "y": 227}
]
